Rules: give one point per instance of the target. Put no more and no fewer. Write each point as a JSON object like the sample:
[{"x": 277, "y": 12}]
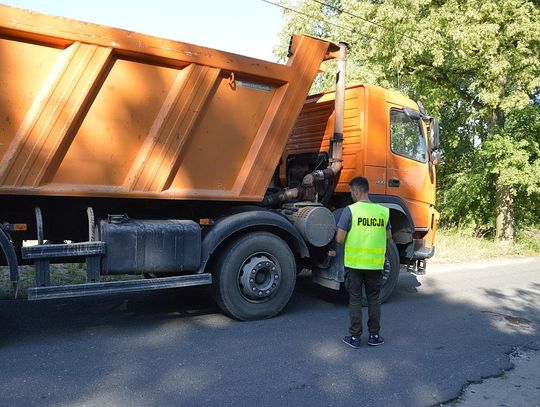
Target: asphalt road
[{"x": 455, "y": 325}]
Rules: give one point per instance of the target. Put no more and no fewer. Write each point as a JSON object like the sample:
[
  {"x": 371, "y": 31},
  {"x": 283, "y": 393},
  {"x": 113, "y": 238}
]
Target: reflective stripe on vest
[{"x": 365, "y": 244}]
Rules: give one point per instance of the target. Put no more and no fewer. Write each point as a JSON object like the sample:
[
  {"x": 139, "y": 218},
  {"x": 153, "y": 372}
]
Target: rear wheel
[{"x": 254, "y": 276}]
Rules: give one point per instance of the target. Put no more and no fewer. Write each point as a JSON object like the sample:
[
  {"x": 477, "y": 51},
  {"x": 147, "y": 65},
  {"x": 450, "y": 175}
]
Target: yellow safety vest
[{"x": 365, "y": 244}]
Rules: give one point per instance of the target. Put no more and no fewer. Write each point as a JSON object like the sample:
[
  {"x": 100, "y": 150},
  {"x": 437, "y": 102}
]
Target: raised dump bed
[{"x": 88, "y": 110}]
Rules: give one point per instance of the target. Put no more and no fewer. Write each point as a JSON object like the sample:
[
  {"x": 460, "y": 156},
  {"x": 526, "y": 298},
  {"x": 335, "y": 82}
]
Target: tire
[
  {"x": 389, "y": 277},
  {"x": 390, "y": 272},
  {"x": 254, "y": 276}
]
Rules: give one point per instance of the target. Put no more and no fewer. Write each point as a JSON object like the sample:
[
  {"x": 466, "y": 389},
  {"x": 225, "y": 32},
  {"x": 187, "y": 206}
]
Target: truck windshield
[{"x": 407, "y": 137}]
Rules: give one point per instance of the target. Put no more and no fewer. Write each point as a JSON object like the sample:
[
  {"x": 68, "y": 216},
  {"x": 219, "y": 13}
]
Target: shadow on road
[
  {"x": 21, "y": 318},
  {"x": 176, "y": 348},
  {"x": 407, "y": 283}
]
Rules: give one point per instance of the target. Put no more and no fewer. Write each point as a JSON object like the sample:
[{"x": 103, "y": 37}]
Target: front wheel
[
  {"x": 254, "y": 276},
  {"x": 390, "y": 272}
]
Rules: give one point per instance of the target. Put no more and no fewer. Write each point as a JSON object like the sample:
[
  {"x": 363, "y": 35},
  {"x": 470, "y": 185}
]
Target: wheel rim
[{"x": 259, "y": 277}]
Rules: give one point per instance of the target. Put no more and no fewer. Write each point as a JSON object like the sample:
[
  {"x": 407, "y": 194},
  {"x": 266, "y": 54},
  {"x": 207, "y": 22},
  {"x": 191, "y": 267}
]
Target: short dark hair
[{"x": 359, "y": 184}]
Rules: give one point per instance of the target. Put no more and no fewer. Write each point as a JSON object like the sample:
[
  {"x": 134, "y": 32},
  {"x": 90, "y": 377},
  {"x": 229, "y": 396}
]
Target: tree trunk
[
  {"x": 504, "y": 202},
  {"x": 504, "y": 194}
]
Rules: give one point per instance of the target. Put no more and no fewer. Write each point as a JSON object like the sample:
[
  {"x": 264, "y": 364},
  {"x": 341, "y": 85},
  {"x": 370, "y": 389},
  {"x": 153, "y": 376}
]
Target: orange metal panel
[
  {"x": 61, "y": 32},
  {"x": 157, "y": 162},
  {"x": 272, "y": 136},
  {"x": 45, "y": 134},
  {"x": 113, "y": 131},
  {"x": 17, "y": 93},
  {"x": 220, "y": 141},
  {"x": 376, "y": 126},
  {"x": 315, "y": 127},
  {"x": 120, "y": 114}
]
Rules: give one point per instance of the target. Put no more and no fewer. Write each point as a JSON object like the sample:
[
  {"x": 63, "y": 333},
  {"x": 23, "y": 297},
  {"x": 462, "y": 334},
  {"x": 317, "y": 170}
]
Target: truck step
[{"x": 116, "y": 287}]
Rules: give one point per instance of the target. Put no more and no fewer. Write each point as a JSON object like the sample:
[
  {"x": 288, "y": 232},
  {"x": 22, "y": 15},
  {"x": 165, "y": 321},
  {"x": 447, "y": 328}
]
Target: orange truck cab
[{"x": 390, "y": 140}]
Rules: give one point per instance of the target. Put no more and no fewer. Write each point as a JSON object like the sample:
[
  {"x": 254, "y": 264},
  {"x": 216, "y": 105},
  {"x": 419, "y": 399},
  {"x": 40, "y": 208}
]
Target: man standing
[{"x": 364, "y": 226}]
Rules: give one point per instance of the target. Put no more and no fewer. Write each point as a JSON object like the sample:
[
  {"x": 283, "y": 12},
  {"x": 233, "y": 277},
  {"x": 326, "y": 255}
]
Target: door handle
[{"x": 393, "y": 183}]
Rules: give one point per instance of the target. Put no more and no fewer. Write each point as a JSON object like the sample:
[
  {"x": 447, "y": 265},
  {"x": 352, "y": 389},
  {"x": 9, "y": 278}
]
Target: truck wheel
[
  {"x": 254, "y": 276},
  {"x": 391, "y": 270}
]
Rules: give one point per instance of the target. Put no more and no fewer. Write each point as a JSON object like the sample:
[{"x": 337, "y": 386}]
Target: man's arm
[
  {"x": 340, "y": 238},
  {"x": 340, "y": 235}
]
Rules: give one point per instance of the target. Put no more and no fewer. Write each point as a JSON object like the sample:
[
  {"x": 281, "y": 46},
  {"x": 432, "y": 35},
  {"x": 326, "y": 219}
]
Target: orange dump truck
[{"x": 193, "y": 166}]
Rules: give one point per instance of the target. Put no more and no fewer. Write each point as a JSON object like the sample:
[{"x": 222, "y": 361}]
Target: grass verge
[
  {"x": 61, "y": 274},
  {"x": 462, "y": 246}
]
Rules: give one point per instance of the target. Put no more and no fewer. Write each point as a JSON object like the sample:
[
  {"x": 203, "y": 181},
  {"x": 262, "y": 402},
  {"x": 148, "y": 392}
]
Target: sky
[{"x": 246, "y": 27}]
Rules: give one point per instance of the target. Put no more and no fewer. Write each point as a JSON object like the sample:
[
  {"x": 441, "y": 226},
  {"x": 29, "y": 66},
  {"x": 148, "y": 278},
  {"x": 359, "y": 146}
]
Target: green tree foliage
[
  {"x": 511, "y": 157},
  {"x": 475, "y": 64}
]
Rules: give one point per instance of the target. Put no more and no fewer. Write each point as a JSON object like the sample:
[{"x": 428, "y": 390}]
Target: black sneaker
[
  {"x": 352, "y": 341},
  {"x": 375, "y": 340}
]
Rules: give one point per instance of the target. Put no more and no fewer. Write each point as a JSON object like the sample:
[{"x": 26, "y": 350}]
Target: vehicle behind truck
[{"x": 191, "y": 166}]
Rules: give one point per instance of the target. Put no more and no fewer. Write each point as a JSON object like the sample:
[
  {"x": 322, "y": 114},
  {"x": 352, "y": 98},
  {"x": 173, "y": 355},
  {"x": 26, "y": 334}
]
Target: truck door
[{"x": 408, "y": 173}]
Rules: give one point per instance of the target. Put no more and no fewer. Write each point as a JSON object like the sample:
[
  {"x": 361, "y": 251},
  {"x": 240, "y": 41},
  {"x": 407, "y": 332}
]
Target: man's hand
[{"x": 331, "y": 253}]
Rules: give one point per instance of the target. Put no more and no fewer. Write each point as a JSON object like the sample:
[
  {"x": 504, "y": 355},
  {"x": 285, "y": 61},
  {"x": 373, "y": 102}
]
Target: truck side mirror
[
  {"x": 411, "y": 113},
  {"x": 434, "y": 127},
  {"x": 435, "y": 157}
]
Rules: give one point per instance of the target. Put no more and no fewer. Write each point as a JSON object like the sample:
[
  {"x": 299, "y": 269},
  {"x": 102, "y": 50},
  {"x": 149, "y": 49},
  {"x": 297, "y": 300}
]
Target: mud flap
[{"x": 333, "y": 275}]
